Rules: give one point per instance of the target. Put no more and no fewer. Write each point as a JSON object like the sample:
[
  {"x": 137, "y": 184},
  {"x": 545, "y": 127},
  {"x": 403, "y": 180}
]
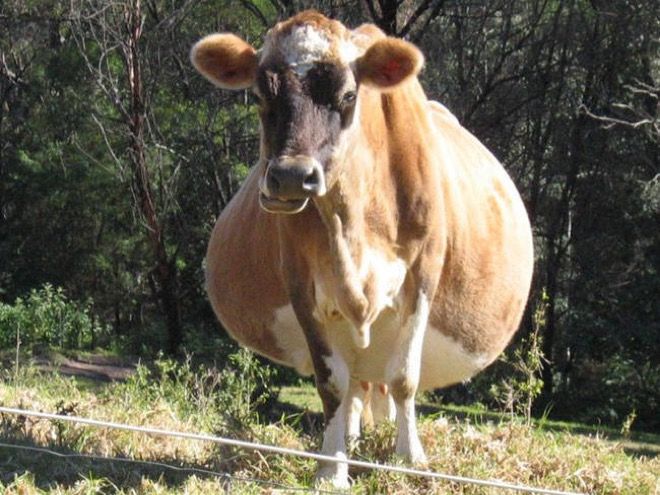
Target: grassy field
[{"x": 41, "y": 456}]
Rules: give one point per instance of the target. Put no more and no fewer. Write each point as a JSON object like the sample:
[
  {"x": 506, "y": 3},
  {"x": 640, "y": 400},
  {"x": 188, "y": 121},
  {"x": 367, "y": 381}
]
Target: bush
[
  {"x": 613, "y": 391},
  {"x": 229, "y": 399},
  {"x": 47, "y": 317}
]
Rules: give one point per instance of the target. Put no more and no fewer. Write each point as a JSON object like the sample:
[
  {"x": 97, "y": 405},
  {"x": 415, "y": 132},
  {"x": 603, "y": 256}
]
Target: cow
[{"x": 376, "y": 240}]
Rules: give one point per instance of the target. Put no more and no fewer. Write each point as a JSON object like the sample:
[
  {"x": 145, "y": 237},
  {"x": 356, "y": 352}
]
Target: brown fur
[{"x": 310, "y": 18}]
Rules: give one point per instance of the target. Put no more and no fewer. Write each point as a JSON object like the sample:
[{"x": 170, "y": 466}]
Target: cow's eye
[{"x": 349, "y": 97}]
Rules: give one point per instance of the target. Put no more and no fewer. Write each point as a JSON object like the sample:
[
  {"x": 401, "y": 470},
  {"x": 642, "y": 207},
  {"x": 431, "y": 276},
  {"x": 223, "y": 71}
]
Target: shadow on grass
[
  {"x": 49, "y": 466},
  {"x": 303, "y": 419}
]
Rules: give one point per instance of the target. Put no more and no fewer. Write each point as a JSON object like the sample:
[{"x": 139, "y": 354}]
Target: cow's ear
[
  {"x": 225, "y": 60},
  {"x": 389, "y": 62}
]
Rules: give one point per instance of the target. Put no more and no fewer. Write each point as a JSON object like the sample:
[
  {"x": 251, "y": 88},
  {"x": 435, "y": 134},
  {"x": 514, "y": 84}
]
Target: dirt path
[{"x": 99, "y": 368}]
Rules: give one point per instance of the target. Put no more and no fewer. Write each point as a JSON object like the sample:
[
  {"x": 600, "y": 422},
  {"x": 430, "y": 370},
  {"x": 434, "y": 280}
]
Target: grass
[
  {"x": 304, "y": 397},
  {"x": 175, "y": 396}
]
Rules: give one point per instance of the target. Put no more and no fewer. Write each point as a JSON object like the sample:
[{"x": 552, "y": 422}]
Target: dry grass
[{"x": 507, "y": 451}]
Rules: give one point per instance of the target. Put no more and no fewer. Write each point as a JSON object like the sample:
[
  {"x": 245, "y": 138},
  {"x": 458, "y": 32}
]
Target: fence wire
[
  {"x": 286, "y": 451},
  {"x": 171, "y": 467}
]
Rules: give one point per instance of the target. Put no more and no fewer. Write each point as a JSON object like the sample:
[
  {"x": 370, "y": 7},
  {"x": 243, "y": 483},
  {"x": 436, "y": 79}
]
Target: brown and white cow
[{"x": 376, "y": 240}]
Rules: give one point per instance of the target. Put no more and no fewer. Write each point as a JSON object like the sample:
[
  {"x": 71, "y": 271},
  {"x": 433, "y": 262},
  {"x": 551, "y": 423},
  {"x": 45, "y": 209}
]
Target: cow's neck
[
  {"x": 346, "y": 237},
  {"x": 366, "y": 176}
]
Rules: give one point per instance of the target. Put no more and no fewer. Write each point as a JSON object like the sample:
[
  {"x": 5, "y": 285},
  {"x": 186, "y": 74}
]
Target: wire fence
[
  {"x": 275, "y": 450},
  {"x": 227, "y": 477}
]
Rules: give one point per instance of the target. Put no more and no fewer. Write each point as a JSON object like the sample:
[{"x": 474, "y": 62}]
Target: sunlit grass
[{"x": 177, "y": 397}]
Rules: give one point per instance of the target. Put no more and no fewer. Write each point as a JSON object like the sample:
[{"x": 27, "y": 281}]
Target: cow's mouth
[{"x": 280, "y": 205}]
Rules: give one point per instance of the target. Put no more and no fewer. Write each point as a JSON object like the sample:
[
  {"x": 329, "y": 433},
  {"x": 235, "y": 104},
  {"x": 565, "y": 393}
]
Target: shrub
[
  {"x": 47, "y": 317},
  {"x": 518, "y": 391},
  {"x": 230, "y": 398}
]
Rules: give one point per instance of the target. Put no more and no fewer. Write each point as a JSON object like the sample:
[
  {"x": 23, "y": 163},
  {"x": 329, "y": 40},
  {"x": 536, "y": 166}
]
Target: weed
[
  {"x": 627, "y": 423},
  {"x": 518, "y": 391}
]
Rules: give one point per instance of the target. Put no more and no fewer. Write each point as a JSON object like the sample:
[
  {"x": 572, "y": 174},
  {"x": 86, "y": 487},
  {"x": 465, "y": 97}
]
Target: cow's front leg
[
  {"x": 403, "y": 378},
  {"x": 332, "y": 382}
]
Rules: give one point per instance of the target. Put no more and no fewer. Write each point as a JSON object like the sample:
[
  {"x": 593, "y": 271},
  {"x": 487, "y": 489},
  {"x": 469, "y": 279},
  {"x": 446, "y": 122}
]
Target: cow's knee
[{"x": 403, "y": 388}]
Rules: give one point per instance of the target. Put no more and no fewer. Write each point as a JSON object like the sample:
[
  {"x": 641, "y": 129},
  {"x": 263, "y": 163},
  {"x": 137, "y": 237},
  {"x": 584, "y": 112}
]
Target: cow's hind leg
[
  {"x": 403, "y": 378},
  {"x": 358, "y": 402},
  {"x": 378, "y": 406},
  {"x": 382, "y": 405}
]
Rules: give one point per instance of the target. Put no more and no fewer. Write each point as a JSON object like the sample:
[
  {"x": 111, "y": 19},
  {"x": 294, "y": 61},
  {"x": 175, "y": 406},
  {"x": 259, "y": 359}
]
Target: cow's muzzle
[{"x": 289, "y": 183}]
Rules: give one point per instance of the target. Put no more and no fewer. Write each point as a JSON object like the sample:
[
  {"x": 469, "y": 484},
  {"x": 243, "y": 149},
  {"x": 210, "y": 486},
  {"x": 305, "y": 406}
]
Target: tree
[{"x": 115, "y": 30}]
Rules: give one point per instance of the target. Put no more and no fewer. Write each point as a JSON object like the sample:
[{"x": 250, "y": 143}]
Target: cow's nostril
[
  {"x": 297, "y": 178},
  {"x": 273, "y": 183},
  {"x": 312, "y": 180}
]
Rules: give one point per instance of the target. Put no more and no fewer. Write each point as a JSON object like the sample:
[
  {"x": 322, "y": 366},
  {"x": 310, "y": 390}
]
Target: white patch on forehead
[
  {"x": 306, "y": 45},
  {"x": 303, "y": 47},
  {"x": 348, "y": 52}
]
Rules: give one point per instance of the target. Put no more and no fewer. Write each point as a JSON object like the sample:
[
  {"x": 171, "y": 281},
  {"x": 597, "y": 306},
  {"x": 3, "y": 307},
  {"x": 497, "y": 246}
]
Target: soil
[{"x": 101, "y": 368}]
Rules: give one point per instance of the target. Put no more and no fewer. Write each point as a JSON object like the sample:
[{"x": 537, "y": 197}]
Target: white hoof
[
  {"x": 335, "y": 477},
  {"x": 413, "y": 453}
]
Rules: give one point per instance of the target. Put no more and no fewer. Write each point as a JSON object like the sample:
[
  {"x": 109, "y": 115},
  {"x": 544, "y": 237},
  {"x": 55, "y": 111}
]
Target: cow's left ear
[
  {"x": 389, "y": 62},
  {"x": 225, "y": 60}
]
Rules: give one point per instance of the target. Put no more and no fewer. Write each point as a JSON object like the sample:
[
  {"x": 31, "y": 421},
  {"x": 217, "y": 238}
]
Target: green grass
[
  {"x": 304, "y": 397},
  {"x": 466, "y": 442}
]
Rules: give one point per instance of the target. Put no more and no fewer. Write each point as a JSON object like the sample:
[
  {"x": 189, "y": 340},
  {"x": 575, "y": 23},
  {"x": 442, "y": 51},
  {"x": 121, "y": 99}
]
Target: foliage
[
  {"x": 617, "y": 390},
  {"x": 47, "y": 317},
  {"x": 228, "y": 399},
  {"x": 563, "y": 92}
]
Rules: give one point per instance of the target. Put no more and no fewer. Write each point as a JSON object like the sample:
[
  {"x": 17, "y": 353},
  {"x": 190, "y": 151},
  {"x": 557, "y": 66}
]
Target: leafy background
[{"x": 116, "y": 157}]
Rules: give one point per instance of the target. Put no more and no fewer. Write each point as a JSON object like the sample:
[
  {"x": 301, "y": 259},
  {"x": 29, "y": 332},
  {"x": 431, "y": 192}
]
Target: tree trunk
[{"x": 164, "y": 271}]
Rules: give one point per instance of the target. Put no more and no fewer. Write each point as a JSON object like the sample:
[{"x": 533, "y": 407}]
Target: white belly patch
[
  {"x": 446, "y": 362},
  {"x": 290, "y": 339}
]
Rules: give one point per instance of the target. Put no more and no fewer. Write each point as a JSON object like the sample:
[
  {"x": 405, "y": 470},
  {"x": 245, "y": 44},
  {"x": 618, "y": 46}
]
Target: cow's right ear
[{"x": 225, "y": 60}]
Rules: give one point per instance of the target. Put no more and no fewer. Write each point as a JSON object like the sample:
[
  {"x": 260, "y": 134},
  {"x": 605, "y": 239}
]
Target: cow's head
[{"x": 307, "y": 77}]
